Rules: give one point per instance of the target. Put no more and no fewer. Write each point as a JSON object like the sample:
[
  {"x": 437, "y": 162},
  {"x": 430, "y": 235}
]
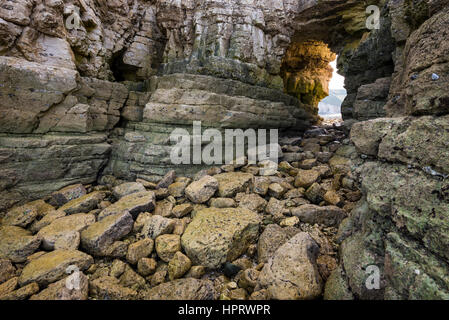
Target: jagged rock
[
  {"x": 97, "y": 238},
  {"x": 182, "y": 289},
  {"x": 74, "y": 287},
  {"x": 269, "y": 241},
  {"x": 315, "y": 193},
  {"x": 231, "y": 183},
  {"x": 202, "y": 190},
  {"x": 292, "y": 272},
  {"x": 17, "y": 244},
  {"x": 167, "y": 180},
  {"x": 9, "y": 286},
  {"x": 20, "y": 216},
  {"x": 64, "y": 228},
  {"x": 327, "y": 216},
  {"x": 218, "y": 235},
  {"x": 83, "y": 204},
  {"x": 146, "y": 266},
  {"x": 178, "y": 266},
  {"x": 252, "y": 202},
  {"x": 108, "y": 288},
  {"x": 128, "y": 188},
  {"x": 134, "y": 204},
  {"x": 52, "y": 266},
  {"x": 276, "y": 190},
  {"x": 306, "y": 178},
  {"x": 7, "y": 270},
  {"x": 165, "y": 207},
  {"x": 156, "y": 226},
  {"x": 61, "y": 197},
  {"x": 140, "y": 249},
  {"x": 260, "y": 185},
  {"x": 131, "y": 279},
  {"x": 177, "y": 189},
  {"x": 23, "y": 293},
  {"x": 182, "y": 210},
  {"x": 167, "y": 245},
  {"x": 46, "y": 220}
]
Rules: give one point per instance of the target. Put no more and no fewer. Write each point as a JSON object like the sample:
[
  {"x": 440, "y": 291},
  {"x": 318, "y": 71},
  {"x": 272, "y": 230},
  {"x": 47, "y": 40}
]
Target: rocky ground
[{"x": 232, "y": 232}]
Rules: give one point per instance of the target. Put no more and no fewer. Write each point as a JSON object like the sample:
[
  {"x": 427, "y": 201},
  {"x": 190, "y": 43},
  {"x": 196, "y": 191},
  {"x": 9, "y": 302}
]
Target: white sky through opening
[
  {"x": 337, "y": 81},
  {"x": 330, "y": 107}
]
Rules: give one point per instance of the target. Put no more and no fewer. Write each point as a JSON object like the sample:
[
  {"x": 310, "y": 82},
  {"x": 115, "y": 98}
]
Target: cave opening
[
  {"x": 309, "y": 71},
  {"x": 330, "y": 107}
]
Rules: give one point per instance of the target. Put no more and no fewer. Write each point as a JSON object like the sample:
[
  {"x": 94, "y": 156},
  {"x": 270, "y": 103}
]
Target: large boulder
[
  {"x": 231, "y": 183},
  {"x": 16, "y": 244},
  {"x": 202, "y": 190},
  {"x": 83, "y": 204},
  {"x": 292, "y": 273},
  {"x": 219, "y": 235},
  {"x": 61, "y": 197},
  {"x": 20, "y": 216},
  {"x": 98, "y": 237},
  {"x": 53, "y": 266},
  {"x": 134, "y": 203},
  {"x": 64, "y": 227},
  {"x": 182, "y": 289},
  {"x": 127, "y": 188}
]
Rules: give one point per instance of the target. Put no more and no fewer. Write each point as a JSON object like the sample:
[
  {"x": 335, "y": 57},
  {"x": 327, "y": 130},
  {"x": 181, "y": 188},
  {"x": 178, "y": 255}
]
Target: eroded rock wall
[{"x": 401, "y": 224}]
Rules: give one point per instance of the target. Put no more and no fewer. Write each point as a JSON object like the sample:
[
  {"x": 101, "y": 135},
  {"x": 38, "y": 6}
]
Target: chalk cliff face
[{"x": 99, "y": 91}]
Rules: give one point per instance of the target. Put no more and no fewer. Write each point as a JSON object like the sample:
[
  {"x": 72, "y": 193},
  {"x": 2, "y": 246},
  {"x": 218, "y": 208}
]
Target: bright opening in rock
[{"x": 330, "y": 107}]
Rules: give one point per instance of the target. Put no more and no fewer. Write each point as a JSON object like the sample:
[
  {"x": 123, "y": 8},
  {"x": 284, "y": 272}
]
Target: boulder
[
  {"x": 182, "y": 210},
  {"x": 127, "y": 188},
  {"x": 252, "y": 202},
  {"x": 37, "y": 225},
  {"x": 16, "y": 244},
  {"x": 330, "y": 216},
  {"x": 167, "y": 245},
  {"x": 178, "y": 266},
  {"x": 182, "y": 289},
  {"x": 231, "y": 183},
  {"x": 109, "y": 288},
  {"x": 53, "y": 266},
  {"x": 292, "y": 273},
  {"x": 83, "y": 204},
  {"x": 64, "y": 228},
  {"x": 134, "y": 204},
  {"x": 202, "y": 190},
  {"x": 22, "y": 293},
  {"x": 74, "y": 287},
  {"x": 61, "y": 197},
  {"x": 140, "y": 249},
  {"x": 167, "y": 180},
  {"x": 20, "y": 216},
  {"x": 7, "y": 270},
  {"x": 269, "y": 241},
  {"x": 156, "y": 226},
  {"x": 219, "y": 235},
  {"x": 98, "y": 237}
]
